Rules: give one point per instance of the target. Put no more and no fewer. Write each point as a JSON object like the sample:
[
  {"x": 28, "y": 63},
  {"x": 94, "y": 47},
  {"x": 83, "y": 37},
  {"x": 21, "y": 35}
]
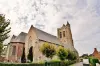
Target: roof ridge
[
  {"x": 42, "y": 35},
  {"x": 45, "y": 32},
  {"x": 20, "y": 37},
  {"x": 23, "y": 32}
]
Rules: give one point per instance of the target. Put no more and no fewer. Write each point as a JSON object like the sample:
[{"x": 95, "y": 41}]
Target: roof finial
[
  {"x": 32, "y": 26},
  {"x": 68, "y": 24}
]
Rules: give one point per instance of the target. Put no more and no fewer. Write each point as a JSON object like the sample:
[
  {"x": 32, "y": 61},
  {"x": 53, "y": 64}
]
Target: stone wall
[
  {"x": 38, "y": 56},
  {"x": 31, "y": 40},
  {"x": 67, "y": 39},
  {"x": 18, "y": 52}
]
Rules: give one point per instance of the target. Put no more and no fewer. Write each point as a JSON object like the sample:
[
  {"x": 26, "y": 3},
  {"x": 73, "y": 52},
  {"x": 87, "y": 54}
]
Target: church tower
[{"x": 65, "y": 35}]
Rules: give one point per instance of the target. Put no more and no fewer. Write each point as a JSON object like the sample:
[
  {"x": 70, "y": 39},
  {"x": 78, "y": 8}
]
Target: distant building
[
  {"x": 84, "y": 55},
  {"x": 90, "y": 55},
  {"x": 35, "y": 38},
  {"x": 96, "y": 54}
]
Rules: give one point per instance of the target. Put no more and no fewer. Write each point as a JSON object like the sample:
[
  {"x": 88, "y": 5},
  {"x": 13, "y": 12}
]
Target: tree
[
  {"x": 23, "y": 59},
  {"x": 4, "y": 30},
  {"x": 62, "y": 53},
  {"x": 1, "y": 48},
  {"x": 30, "y": 55},
  {"x": 71, "y": 55},
  {"x": 48, "y": 50}
]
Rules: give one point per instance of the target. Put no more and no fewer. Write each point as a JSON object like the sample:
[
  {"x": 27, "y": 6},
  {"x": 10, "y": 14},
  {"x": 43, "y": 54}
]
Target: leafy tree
[
  {"x": 71, "y": 55},
  {"x": 62, "y": 53},
  {"x": 30, "y": 55},
  {"x": 4, "y": 30},
  {"x": 48, "y": 50},
  {"x": 23, "y": 59},
  {"x": 1, "y": 48}
]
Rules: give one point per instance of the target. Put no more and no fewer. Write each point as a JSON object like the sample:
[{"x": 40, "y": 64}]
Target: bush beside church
[{"x": 52, "y": 63}]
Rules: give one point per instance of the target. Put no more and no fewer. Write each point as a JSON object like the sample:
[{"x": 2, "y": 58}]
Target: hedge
[
  {"x": 93, "y": 61},
  {"x": 12, "y": 64},
  {"x": 57, "y": 63}
]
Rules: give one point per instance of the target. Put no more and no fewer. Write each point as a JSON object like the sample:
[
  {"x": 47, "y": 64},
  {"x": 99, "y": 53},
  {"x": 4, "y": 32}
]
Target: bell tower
[{"x": 65, "y": 35}]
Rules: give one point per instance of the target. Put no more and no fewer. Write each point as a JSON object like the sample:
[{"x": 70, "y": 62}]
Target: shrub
[
  {"x": 26, "y": 64},
  {"x": 93, "y": 61},
  {"x": 54, "y": 63},
  {"x": 48, "y": 50},
  {"x": 62, "y": 53},
  {"x": 71, "y": 55},
  {"x": 56, "y": 60}
]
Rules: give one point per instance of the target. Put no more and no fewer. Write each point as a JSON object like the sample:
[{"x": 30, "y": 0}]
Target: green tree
[
  {"x": 4, "y": 30},
  {"x": 1, "y": 48},
  {"x": 62, "y": 53},
  {"x": 23, "y": 59},
  {"x": 48, "y": 50},
  {"x": 71, "y": 55},
  {"x": 30, "y": 55}
]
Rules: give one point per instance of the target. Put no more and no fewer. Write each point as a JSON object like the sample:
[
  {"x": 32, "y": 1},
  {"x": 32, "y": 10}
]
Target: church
[{"x": 36, "y": 38}]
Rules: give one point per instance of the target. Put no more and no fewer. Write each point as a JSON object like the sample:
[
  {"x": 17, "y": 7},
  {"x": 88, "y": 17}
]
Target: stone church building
[{"x": 35, "y": 38}]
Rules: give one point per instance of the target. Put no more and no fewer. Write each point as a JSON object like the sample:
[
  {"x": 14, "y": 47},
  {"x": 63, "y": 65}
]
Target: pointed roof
[
  {"x": 68, "y": 23},
  {"x": 40, "y": 34},
  {"x": 95, "y": 51},
  {"x": 46, "y": 36},
  {"x": 20, "y": 38},
  {"x": 13, "y": 38}
]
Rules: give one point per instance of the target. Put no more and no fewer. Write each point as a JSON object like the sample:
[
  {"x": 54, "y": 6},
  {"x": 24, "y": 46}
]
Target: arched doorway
[{"x": 30, "y": 54}]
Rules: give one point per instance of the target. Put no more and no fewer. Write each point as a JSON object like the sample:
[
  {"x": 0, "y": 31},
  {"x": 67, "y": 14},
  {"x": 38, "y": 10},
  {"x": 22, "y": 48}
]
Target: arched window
[
  {"x": 14, "y": 50},
  {"x": 60, "y": 34},
  {"x": 63, "y": 33}
]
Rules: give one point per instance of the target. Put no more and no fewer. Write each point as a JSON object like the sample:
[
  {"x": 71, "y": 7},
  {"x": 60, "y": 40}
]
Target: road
[{"x": 78, "y": 64}]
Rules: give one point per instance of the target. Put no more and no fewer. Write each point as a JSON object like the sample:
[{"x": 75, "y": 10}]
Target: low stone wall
[{"x": 2, "y": 59}]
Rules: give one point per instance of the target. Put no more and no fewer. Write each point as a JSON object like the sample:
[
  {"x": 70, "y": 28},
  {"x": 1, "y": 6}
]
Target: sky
[{"x": 48, "y": 15}]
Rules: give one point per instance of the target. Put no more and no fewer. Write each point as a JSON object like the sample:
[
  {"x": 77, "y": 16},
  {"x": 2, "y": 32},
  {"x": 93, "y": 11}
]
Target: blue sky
[{"x": 48, "y": 15}]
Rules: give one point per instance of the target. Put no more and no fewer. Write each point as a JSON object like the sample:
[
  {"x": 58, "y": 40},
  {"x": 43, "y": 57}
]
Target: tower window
[
  {"x": 63, "y": 33},
  {"x": 60, "y": 35}
]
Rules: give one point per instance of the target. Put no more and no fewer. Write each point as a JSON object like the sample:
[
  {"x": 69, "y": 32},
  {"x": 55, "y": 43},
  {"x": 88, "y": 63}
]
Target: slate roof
[
  {"x": 69, "y": 46},
  {"x": 47, "y": 37},
  {"x": 13, "y": 38},
  {"x": 20, "y": 38},
  {"x": 40, "y": 34}
]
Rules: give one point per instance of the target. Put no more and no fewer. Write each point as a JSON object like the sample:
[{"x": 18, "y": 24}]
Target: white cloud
[{"x": 49, "y": 15}]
